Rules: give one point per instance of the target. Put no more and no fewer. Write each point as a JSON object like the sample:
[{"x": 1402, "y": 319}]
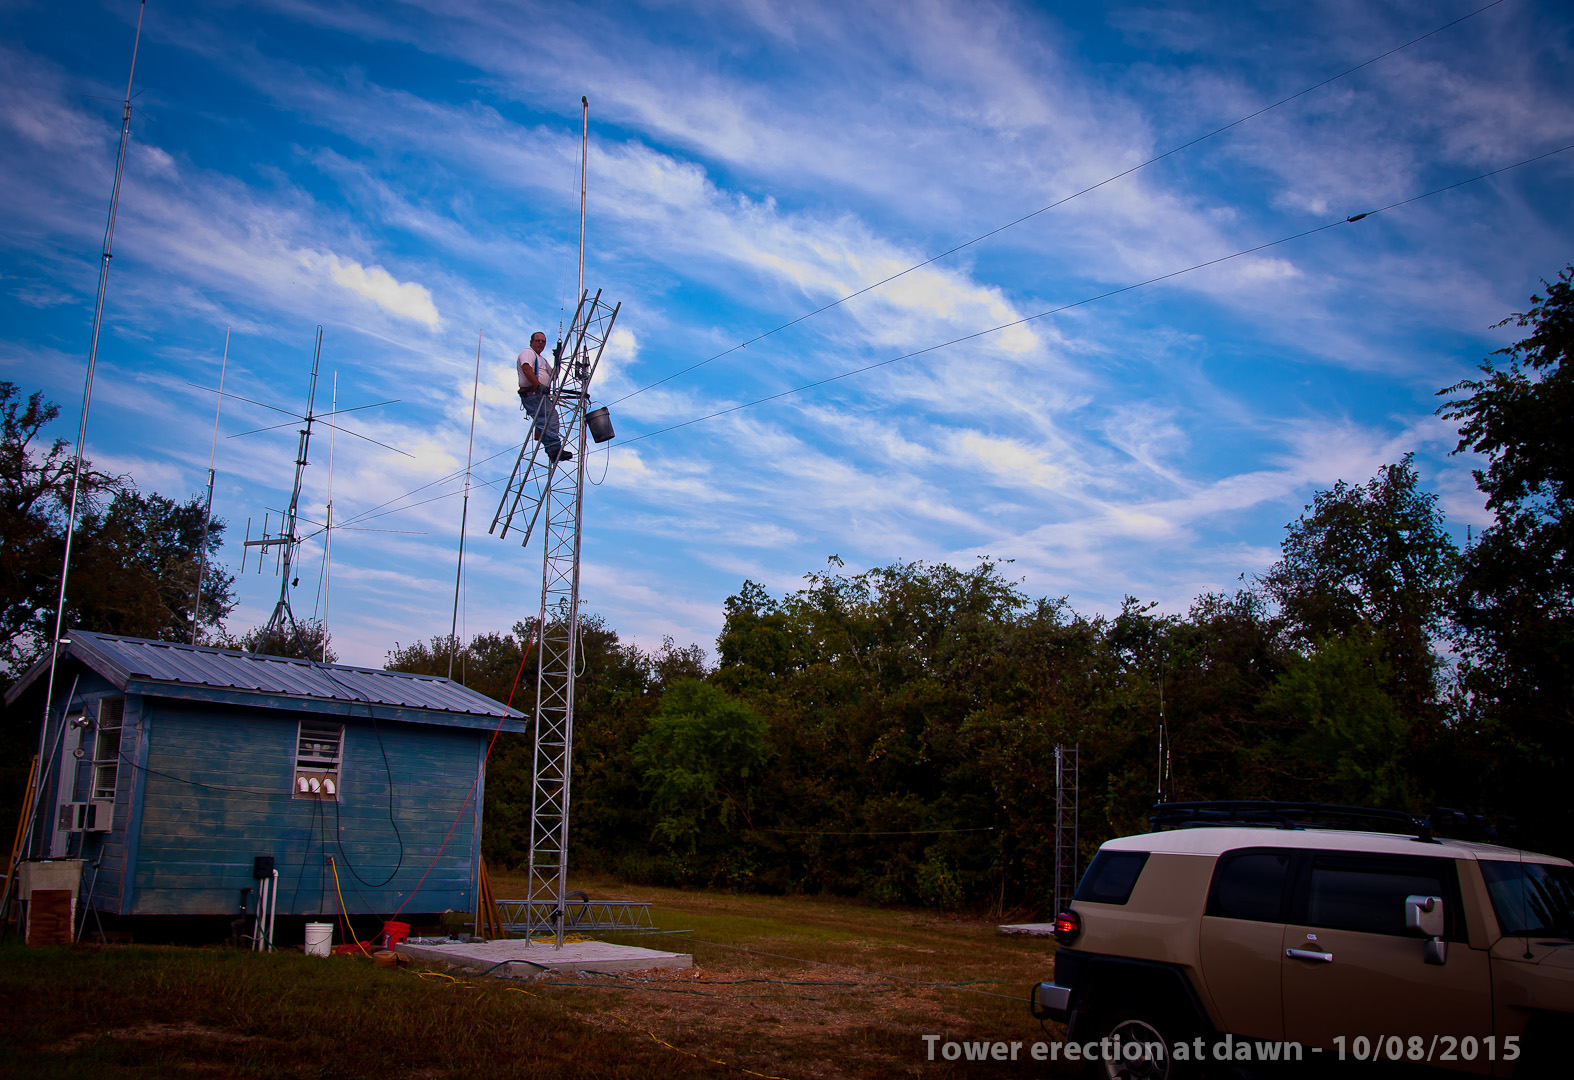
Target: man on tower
[{"x": 535, "y": 393}]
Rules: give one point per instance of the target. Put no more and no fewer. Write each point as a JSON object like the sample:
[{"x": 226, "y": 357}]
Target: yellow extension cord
[{"x": 349, "y": 929}]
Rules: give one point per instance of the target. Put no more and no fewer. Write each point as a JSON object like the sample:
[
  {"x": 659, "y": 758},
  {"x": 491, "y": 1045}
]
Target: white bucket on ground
[{"x": 319, "y": 938}]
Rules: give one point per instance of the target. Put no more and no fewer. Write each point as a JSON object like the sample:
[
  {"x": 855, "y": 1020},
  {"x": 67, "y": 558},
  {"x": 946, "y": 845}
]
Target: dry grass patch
[
  {"x": 141, "y": 1012},
  {"x": 809, "y": 987},
  {"x": 800, "y": 988}
]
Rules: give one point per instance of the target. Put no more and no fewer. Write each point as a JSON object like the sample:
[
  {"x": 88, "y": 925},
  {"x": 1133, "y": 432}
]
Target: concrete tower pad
[{"x": 541, "y": 959}]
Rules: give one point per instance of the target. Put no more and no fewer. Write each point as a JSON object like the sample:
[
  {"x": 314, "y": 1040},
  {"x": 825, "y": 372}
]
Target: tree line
[{"x": 892, "y": 733}]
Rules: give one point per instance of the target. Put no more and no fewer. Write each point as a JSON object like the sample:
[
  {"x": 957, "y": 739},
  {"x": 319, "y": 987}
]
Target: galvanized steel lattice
[{"x": 559, "y": 495}]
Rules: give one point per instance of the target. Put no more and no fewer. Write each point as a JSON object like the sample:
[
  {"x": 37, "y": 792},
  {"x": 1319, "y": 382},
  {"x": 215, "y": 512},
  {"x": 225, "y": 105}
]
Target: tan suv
[{"x": 1263, "y": 932}]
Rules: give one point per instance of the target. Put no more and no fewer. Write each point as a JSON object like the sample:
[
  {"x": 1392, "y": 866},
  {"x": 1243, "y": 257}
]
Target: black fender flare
[{"x": 1105, "y": 974}]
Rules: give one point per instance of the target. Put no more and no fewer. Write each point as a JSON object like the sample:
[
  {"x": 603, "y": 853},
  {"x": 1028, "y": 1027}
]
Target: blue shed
[{"x": 170, "y": 768}]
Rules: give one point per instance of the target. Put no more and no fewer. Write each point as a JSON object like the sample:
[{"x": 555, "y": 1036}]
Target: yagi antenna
[{"x": 287, "y": 539}]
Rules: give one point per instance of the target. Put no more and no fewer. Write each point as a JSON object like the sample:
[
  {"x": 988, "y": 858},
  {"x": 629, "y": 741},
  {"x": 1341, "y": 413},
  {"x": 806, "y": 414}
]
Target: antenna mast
[
  {"x": 207, "y": 513},
  {"x": 287, "y": 540},
  {"x": 1166, "y": 774},
  {"x": 327, "y": 531},
  {"x": 87, "y": 397},
  {"x": 584, "y": 175},
  {"x": 464, "y": 515},
  {"x": 559, "y": 494}
]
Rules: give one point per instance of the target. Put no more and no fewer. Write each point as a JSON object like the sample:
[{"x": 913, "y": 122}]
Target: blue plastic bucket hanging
[{"x": 600, "y": 423}]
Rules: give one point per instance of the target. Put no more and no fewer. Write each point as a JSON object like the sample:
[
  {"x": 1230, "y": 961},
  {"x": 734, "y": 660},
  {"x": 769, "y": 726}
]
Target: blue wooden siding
[{"x": 217, "y": 791}]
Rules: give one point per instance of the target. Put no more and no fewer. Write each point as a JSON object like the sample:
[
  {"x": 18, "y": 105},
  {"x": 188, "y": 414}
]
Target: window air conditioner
[{"x": 94, "y": 816}]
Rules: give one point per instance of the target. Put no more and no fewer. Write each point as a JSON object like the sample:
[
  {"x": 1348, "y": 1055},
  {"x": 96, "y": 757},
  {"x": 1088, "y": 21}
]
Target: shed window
[
  {"x": 318, "y": 749},
  {"x": 106, "y": 747}
]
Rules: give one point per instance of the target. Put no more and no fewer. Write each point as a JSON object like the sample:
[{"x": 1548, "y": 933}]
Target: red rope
[{"x": 531, "y": 640}]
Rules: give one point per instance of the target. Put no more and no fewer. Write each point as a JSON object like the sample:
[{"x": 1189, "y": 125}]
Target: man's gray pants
[{"x": 543, "y": 418}]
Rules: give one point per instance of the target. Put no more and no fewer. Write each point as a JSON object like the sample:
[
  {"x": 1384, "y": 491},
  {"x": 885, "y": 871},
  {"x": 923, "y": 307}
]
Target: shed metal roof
[{"x": 166, "y": 668}]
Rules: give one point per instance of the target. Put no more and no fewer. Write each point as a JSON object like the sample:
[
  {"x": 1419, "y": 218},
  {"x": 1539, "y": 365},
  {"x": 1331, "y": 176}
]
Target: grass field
[{"x": 791, "y": 987}]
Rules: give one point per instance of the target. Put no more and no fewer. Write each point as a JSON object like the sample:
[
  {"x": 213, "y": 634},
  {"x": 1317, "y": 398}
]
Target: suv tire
[{"x": 1142, "y": 1019}]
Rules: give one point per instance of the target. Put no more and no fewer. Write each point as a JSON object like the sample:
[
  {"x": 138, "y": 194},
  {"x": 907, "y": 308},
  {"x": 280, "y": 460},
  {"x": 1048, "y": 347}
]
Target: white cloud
[{"x": 405, "y": 298}]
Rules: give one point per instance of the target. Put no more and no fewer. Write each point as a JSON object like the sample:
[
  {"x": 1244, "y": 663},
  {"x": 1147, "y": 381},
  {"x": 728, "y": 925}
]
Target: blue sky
[{"x": 405, "y": 174}]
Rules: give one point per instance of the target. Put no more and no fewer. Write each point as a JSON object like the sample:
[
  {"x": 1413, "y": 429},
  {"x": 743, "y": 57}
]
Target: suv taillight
[{"x": 1068, "y": 926}]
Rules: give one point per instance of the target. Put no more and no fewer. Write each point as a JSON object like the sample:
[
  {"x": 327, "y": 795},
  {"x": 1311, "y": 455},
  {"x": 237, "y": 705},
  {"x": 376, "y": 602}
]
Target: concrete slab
[
  {"x": 524, "y": 958},
  {"x": 1030, "y": 929}
]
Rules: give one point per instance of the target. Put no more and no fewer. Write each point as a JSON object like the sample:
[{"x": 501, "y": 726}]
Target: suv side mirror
[{"x": 1424, "y": 915}]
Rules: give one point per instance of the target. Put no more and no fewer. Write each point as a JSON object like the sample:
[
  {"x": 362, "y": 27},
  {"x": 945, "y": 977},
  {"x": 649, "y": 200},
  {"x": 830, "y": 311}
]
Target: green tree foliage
[
  {"x": 1514, "y": 604},
  {"x": 1373, "y": 560},
  {"x": 134, "y": 556},
  {"x": 35, "y": 492},
  {"x": 1349, "y": 734},
  {"x": 618, "y": 690},
  {"x": 701, "y": 760},
  {"x": 488, "y": 664},
  {"x": 31, "y": 482},
  {"x": 308, "y": 639},
  {"x": 135, "y": 564}
]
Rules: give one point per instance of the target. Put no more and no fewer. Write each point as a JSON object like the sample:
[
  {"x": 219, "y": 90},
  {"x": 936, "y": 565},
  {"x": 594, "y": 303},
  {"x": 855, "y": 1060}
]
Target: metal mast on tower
[{"x": 538, "y": 491}]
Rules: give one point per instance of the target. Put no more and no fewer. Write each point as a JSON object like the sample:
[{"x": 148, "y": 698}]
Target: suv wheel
[{"x": 1132, "y": 1023}]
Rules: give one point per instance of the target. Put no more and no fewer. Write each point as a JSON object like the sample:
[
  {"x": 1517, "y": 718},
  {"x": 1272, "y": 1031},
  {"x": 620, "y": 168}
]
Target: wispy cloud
[{"x": 406, "y": 176}]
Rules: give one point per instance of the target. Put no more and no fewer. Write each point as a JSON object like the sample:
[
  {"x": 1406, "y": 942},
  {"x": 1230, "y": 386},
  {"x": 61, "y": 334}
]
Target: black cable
[
  {"x": 1090, "y": 299},
  {"x": 301, "y": 876},
  {"x": 370, "y": 516},
  {"x": 322, "y": 878},
  {"x": 354, "y": 695},
  {"x": 1059, "y": 202},
  {"x": 400, "y": 836},
  {"x": 193, "y": 783},
  {"x": 370, "y": 909}
]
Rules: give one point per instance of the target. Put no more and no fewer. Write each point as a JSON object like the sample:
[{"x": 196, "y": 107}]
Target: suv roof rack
[{"x": 1286, "y": 815}]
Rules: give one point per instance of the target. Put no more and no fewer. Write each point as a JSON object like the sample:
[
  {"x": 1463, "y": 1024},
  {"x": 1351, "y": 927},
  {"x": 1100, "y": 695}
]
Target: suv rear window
[
  {"x": 1250, "y": 885},
  {"x": 1111, "y": 877}
]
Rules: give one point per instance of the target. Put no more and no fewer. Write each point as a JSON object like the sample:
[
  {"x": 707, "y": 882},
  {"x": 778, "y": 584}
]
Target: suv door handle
[{"x": 1310, "y": 954}]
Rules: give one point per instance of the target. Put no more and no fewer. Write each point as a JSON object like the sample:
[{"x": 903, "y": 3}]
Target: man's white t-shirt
[{"x": 543, "y": 368}]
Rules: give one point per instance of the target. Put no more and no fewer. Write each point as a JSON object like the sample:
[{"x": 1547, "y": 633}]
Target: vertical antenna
[
  {"x": 464, "y": 515},
  {"x": 327, "y": 535},
  {"x": 87, "y": 390},
  {"x": 207, "y": 513},
  {"x": 1164, "y": 741},
  {"x": 584, "y": 174}
]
